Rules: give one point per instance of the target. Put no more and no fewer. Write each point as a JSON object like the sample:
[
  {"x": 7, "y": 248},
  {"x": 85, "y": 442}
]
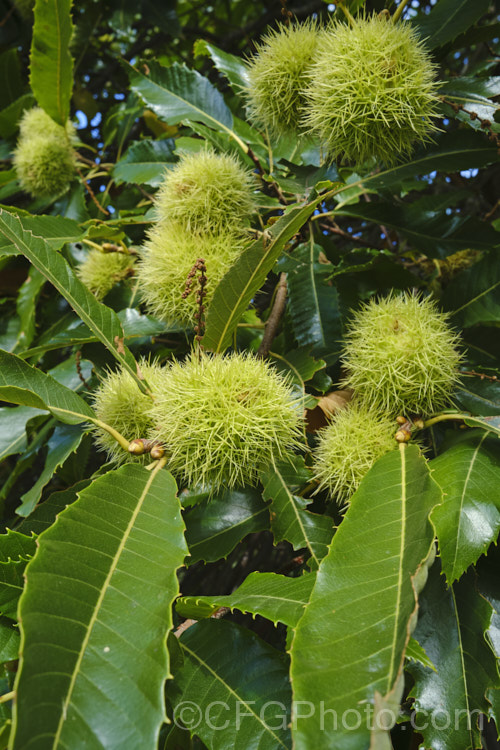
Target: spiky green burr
[
  {"x": 223, "y": 419},
  {"x": 372, "y": 91},
  {"x": 278, "y": 77},
  {"x": 207, "y": 192},
  {"x": 44, "y": 157},
  {"x": 349, "y": 446},
  {"x": 100, "y": 271},
  {"x": 401, "y": 355},
  {"x": 168, "y": 256},
  {"x": 119, "y": 403}
]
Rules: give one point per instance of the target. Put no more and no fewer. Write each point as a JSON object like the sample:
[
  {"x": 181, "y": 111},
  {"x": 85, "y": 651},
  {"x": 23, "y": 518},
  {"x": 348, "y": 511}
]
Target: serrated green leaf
[
  {"x": 451, "y": 152},
  {"x": 145, "y": 162},
  {"x": 11, "y": 82},
  {"x": 70, "y": 331},
  {"x": 126, "y": 532},
  {"x": 55, "y": 230},
  {"x": 214, "y": 527},
  {"x": 246, "y": 276},
  {"x": 349, "y": 645},
  {"x": 298, "y": 365},
  {"x": 178, "y": 93},
  {"x": 11, "y": 586},
  {"x": 22, "y": 384},
  {"x": 471, "y": 93},
  {"x": 289, "y": 518},
  {"x": 229, "y": 65},
  {"x": 415, "y": 652},
  {"x": 314, "y": 304},
  {"x": 120, "y": 120},
  {"x": 101, "y": 320},
  {"x": 473, "y": 296},
  {"x": 485, "y": 423},
  {"x": 26, "y": 307},
  {"x": 13, "y": 429},
  {"x": 63, "y": 442},
  {"x": 277, "y": 597},
  {"x": 16, "y": 546},
  {"x": 51, "y": 64},
  {"x": 9, "y": 642},
  {"x": 238, "y": 685},
  {"x": 468, "y": 520},
  {"x": 45, "y": 514},
  {"x": 479, "y": 395},
  {"x": 15, "y": 551},
  {"x": 448, "y": 19},
  {"x": 451, "y": 628},
  {"x": 430, "y": 230},
  {"x": 10, "y": 116}
]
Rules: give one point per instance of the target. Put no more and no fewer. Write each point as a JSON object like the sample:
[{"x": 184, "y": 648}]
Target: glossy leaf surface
[
  {"x": 51, "y": 66},
  {"x": 81, "y": 634},
  {"x": 238, "y": 682},
  {"x": 277, "y": 597},
  {"x": 349, "y": 645},
  {"x": 468, "y": 520}
]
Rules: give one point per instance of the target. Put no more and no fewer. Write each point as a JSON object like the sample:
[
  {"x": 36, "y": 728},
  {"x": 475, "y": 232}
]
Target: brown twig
[
  {"x": 274, "y": 319},
  {"x": 485, "y": 124},
  {"x": 183, "y": 627},
  {"x": 385, "y": 231},
  {"x": 91, "y": 193},
  {"x": 335, "y": 229},
  {"x": 287, "y": 15},
  {"x": 480, "y": 375},
  {"x": 78, "y": 360},
  {"x": 272, "y": 186}
]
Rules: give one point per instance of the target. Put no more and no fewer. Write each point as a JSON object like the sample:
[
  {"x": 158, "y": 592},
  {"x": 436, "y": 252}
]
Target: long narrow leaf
[
  {"x": 468, "y": 520},
  {"x": 22, "y": 384},
  {"x": 51, "y": 66},
  {"x": 348, "y": 648},
  {"x": 449, "y": 19},
  {"x": 289, "y": 518},
  {"x": 277, "y": 597},
  {"x": 95, "y": 615},
  {"x": 237, "y": 685},
  {"x": 100, "y": 319},
  {"x": 246, "y": 276},
  {"x": 178, "y": 93},
  {"x": 449, "y": 700}
]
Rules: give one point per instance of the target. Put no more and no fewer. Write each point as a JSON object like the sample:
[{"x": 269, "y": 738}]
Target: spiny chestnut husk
[
  {"x": 277, "y": 77},
  {"x": 121, "y": 404},
  {"x": 101, "y": 271},
  {"x": 168, "y": 256},
  {"x": 401, "y": 355},
  {"x": 223, "y": 419},
  {"x": 44, "y": 157},
  {"x": 349, "y": 446},
  {"x": 372, "y": 90},
  {"x": 207, "y": 192}
]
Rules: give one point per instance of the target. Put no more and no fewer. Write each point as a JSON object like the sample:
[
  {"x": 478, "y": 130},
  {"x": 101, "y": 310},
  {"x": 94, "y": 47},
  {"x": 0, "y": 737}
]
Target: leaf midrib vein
[
  {"x": 232, "y": 692},
  {"x": 67, "y": 702}
]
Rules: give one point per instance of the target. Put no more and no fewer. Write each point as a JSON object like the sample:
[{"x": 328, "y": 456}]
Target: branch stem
[
  {"x": 274, "y": 318},
  {"x": 399, "y": 10},
  {"x": 445, "y": 418},
  {"x": 111, "y": 430},
  {"x": 346, "y": 13}
]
